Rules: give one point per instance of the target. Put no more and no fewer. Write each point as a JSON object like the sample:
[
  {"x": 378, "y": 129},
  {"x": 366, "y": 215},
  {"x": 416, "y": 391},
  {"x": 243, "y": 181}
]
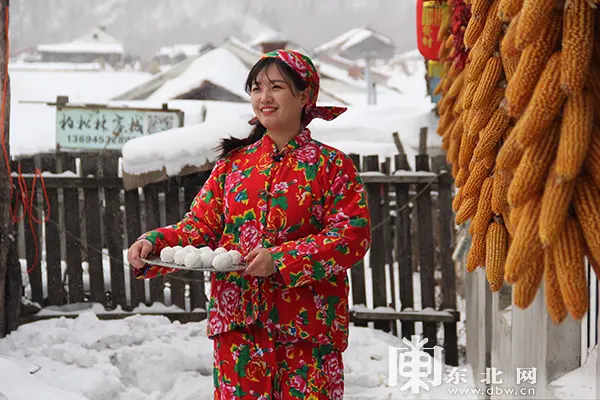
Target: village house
[{"x": 92, "y": 46}]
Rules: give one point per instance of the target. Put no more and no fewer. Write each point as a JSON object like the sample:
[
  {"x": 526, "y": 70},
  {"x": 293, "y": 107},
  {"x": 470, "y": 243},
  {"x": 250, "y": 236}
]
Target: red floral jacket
[{"x": 307, "y": 206}]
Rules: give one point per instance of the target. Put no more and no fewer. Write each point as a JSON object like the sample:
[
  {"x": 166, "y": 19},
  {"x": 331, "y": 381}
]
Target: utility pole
[{"x": 10, "y": 273}]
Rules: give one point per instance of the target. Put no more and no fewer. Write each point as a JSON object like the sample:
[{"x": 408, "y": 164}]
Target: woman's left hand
[{"x": 261, "y": 263}]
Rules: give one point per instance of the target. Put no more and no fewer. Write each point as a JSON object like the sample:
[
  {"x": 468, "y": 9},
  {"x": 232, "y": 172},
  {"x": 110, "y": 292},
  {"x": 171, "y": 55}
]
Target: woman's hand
[
  {"x": 138, "y": 250},
  {"x": 261, "y": 263}
]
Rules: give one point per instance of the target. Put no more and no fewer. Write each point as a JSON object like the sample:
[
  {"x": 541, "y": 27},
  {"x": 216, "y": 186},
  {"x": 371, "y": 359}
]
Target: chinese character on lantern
[{"x": 430, "y": 17}]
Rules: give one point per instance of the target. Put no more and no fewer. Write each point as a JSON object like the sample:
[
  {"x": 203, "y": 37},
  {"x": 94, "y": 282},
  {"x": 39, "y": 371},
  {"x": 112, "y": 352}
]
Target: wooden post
[
  {"x": 426, "y": 248},
  {"x": 7, "y": 236},
  {"x": 446, "y": 249},
  {"x": 357, "y": 272},
  {"x": 377, "y": 253},
  {"x": 423, "y": 141}
]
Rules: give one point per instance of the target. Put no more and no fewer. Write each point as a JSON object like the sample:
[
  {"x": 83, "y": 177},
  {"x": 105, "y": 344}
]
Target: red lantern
[{"x": 430, "y": 17}]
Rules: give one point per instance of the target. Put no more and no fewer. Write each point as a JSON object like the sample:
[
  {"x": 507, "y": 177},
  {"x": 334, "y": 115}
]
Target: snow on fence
[{"x": 92, "y": 220}]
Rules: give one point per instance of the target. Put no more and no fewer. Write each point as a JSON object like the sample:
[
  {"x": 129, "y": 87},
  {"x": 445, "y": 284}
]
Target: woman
[{"x": 296, "y": 209}]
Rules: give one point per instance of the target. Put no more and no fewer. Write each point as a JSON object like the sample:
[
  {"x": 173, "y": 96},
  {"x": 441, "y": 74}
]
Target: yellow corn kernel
[
  {"x": 458, "y": 105},
  {"x": 531, "y": 65},
  {"x": 477, "y": 176},
  {"x": 510, "y": 62},
  {"x": 452, "y": 155},
  {"x": 554, "y": 300},
  {"x": 577, "y": 45},
  {"x": 467, "y": 146},
  {"x": 592, "y": 158},
  {"x": 526, "y": 245},
  {"x": 447, "y": 85},
  {"x": 484, "y": 214},
  {"x": 458, "y": 128},
  {"x": 496, "y": 247},
  {"x": 470, "y": 90},
  {"x": 487, "y": 43},
  {"x": 575, "y": 134},
  {"x": 507, "y": 44},
  {"x": 488, "y": 82},
  {"x": 515, "y": 215},
  {"x": 535, "y": 14},
  {"x": 457, "y": 85},
  {"x": 468, "y": 208},
  {"x": 455, "y": 169},
  {"x": 491, "y": 134},
  {"x": 476, "y": 256},
  {"x": 479, "y": 7},
  {"x": 526, "y": 288},
  {"x": 510, "y": 154},
  {"x": 555, "y": 207},
  {"x": 461, "y": 178},
  {"x": 569, "y": 258},
  {"x": 481, "y": 116},
  {"x": 544, "y": 106},
  {"x": 532, "y": 171},
  {"x": 509, "y": 228},
  {"x": 439, "y": 87},
  {"x": 587, "y": 208},
  {"x": 474, "y": 30},
  {"x": 500, "y": 193},
  {"x": 508, "y": 9},
  {"x": 457, "y": 201}
]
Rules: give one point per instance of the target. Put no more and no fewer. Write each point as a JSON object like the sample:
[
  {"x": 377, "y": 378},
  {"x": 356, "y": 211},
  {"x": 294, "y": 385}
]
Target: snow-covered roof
[
  {"x": 363, "y": 130},
  {"x": 81, "y": 47},
  {"x": 352, "y": 38},
  {"x": 97, "y": 40},
  {"x": 243, "y": 51},
  {"x": 218, "y": 66},
  {"x": 189, "y": 50},
  {"x": 268, "y": 36}
]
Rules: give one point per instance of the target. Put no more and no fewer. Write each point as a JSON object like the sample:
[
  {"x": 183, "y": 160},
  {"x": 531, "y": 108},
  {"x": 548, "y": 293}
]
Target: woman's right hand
[{"x": 138, "y": 250}]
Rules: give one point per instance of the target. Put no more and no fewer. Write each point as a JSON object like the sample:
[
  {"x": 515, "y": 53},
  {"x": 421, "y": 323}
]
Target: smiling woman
[{"x": 296, "y": 210}]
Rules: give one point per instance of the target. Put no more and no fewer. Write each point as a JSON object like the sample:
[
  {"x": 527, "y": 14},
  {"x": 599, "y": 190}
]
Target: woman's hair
[{"x": 294, "y": 81}]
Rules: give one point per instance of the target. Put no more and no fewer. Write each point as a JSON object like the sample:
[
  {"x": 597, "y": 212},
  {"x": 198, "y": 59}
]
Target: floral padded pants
[{"x": 253, "y": 363}]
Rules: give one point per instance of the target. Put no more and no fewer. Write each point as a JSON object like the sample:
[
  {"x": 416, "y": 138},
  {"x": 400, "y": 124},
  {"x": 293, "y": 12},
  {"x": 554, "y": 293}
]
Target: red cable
[{"x": 22, "y": 198}]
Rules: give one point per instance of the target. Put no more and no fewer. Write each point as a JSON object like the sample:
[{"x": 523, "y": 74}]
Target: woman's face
[{"x": 276, "y": 105}]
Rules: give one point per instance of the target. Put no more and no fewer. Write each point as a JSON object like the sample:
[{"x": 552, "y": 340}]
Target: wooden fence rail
[{"x": 77, "y": 254}]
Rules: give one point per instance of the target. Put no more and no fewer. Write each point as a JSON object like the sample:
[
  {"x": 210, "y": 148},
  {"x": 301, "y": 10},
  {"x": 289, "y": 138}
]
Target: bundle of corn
[{"x": 523, "y": 138}]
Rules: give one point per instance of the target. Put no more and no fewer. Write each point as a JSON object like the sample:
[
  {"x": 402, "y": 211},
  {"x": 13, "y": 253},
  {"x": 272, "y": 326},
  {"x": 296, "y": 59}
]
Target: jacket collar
[{"x": 300, "y": 140}]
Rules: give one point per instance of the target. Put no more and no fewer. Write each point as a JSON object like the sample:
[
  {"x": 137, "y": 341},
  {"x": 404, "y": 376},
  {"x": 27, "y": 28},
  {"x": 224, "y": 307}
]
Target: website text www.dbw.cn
[{"x": 493, "y": 391}]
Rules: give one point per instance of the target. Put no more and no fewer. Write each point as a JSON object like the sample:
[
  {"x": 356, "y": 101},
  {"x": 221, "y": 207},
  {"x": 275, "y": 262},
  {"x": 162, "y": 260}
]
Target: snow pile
[
  {"x": 579, "y": 383},
  {"x": 16, "y": 383},
  {"x": 149, "y": 358}
]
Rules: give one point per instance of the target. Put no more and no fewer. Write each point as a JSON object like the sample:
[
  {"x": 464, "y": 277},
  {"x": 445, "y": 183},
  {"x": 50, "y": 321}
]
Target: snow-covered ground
[{"x": 148, "y": 357}]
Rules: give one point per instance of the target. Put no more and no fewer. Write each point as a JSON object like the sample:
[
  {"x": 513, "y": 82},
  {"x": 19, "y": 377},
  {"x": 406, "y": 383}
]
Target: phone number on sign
[{"x": 97, "y": 139}]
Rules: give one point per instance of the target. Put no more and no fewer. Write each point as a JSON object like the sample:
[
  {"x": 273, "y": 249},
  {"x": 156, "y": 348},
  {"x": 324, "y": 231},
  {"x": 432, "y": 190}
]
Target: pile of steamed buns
[{"x": 203, "y": 257}]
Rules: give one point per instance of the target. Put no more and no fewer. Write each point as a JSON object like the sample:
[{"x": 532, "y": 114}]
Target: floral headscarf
[{"x": 304, "y": 66}]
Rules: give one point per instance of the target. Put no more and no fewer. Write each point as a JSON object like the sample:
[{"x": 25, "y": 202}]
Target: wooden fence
[{"x": 92, "y": 220}]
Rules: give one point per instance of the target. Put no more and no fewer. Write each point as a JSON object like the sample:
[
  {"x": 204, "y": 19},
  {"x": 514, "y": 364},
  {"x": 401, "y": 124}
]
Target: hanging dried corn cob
[{"x": 522, "y": 121}]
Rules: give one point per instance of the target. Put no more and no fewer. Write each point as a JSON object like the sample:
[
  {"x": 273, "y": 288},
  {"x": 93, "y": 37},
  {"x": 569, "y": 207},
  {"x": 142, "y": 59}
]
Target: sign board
[{"x": 109, "y": 128}]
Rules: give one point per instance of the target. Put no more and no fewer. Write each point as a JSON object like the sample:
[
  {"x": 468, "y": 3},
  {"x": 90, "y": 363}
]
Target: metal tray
[{"x": 157, "y": 261}]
